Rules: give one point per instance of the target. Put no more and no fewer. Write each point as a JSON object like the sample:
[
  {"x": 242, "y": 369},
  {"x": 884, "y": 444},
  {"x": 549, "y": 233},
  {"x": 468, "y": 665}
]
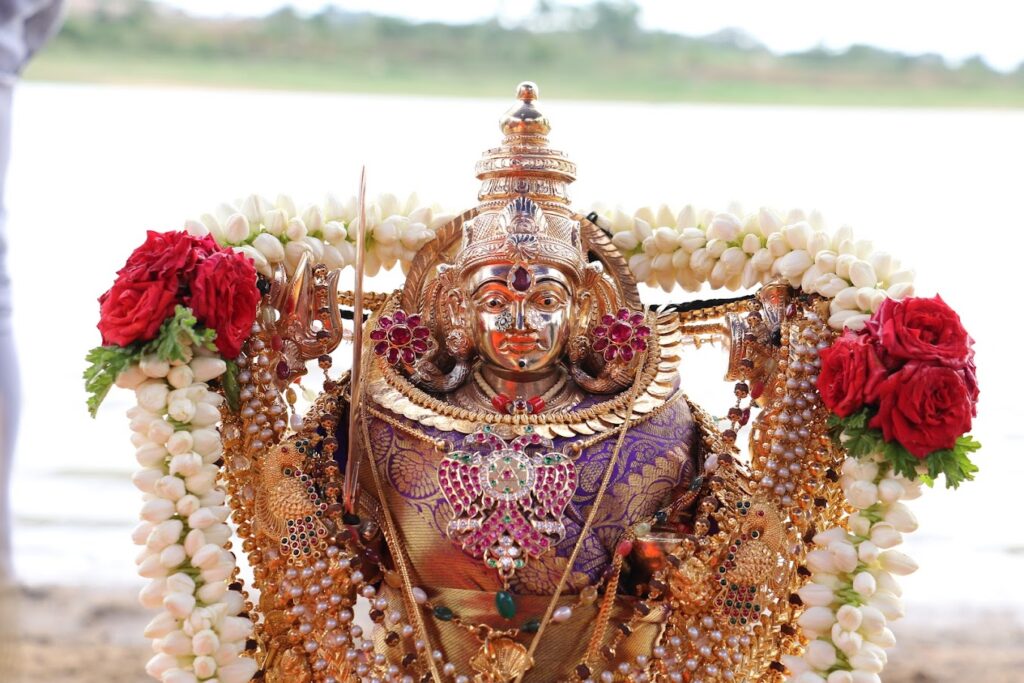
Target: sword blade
[{"x": 355, "y": 455}]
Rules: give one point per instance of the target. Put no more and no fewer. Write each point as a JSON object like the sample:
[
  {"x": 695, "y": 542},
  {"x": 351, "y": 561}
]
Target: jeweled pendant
[{"x": 500, "y": 660}]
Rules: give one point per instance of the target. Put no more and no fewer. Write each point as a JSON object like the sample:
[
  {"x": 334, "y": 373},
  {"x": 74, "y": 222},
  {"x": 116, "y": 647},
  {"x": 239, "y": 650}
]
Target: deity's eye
[
  {"x": 494, "y": 303},
  {"x": 547, "y": 300}
]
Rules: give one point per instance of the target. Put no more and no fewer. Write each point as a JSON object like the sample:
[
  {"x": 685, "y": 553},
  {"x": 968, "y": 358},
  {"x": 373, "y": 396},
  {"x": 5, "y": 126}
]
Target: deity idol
[
  {"x": 516, "y": 483},
  {"x": 512, "y": 484}
]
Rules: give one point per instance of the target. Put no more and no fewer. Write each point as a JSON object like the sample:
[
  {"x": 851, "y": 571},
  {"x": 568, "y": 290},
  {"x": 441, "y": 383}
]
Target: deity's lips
[{"x": 520, "y": 343}]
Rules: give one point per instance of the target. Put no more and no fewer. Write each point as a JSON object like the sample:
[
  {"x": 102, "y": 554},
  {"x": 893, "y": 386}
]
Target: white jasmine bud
[
  {"x": 144, "y": 479},
  {"x": 179, "y": 443},
  {"x": 898, "y": 563},
  {"x": 218, "y": 534},
  {"x": 157, "y": 510},
  {"x": 205, "y": 368},
  {"x": 152, "y": 594},
  {"x": 152, "y": 395},
  {"x": 152, "y": 568},
  {"x": 211, "y": 593},
  {"x": 164, "y": 534},
  {"x": 205, "y": 642},
  {"x": 205, "y": 415},
  {"x": 867, "y": 552},
  {"x": 194, "y": 540},
  {"x": 241, "y": 671},
  {"x": 901, "y": 517},
  {"x": 180, "y": 583},
  {"x": 179, "y": 676},
  {"x": 186, "y": 464},
  {"x": 816, "y": 595},
  {"x": 236, "y": 229},
  {"x": 864, "y": 583},
  {"x": 201, "y": 483},
  {"x": 152, "y": 366},
  {"x": 204, "y": 667},
  {"x": 180, "y": 605},
  {"x": 131, "y": 377},
  {"x": 235, "y": 628},
  {"x": 186, "y": 505},
  {"x": 160, "y": 625},
  {"x": 180, "y": 376},
  {"x": 170, "y": 488},
  {"x": 172, "y": 556},
  {"x": 160, "y": 431},
  {"x": 201, "y": 518},
  {"x": 820, "y": 654},
  {"x": 160, "y": 663},
  {"x": 816, "y": 620}
]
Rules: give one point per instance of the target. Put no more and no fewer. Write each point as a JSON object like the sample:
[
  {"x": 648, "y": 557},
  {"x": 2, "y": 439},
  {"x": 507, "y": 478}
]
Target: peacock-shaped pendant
[{"x": 507, "y": 498}]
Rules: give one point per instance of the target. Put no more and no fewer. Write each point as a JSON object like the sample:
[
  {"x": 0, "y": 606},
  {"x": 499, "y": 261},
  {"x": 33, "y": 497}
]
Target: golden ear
[{"x": 455, "y": 303}]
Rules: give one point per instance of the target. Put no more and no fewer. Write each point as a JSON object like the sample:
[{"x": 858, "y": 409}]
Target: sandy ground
[{"x": 93, "y": 635}]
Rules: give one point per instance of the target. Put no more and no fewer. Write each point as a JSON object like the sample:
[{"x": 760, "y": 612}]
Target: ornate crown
[{"x": 524, "y": 210}]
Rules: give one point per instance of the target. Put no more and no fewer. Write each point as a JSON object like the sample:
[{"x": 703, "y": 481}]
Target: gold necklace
[{"x": 494, "y": 658}]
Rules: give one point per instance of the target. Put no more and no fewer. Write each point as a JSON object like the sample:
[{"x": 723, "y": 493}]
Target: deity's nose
[{"x": 521, "y": 314}]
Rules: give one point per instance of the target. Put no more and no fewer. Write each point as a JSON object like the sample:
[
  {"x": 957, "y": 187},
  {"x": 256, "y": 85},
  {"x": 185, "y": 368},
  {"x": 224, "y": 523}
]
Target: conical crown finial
[{"x": 524, "y": 119}]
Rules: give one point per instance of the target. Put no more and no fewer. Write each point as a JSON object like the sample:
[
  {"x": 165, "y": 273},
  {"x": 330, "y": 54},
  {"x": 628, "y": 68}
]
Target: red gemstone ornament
[
  {"x": 400, "y": 338},
  {"x": 621, "y": 336},
  {"x": 501, "y": 403}
]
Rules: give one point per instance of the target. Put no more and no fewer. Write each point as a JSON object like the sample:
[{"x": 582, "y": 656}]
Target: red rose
[
  {"x": 851, "y": 373},
  {"x": 131, "y": 311},
  {"x": 919, "y": 329},
  {"x": 165, "y": 253},
  {"x": 149, "y": 285},
  {"x": 924, "y": 407},
  {"x": 970, "y": 375},
  {"x": 224, "y": 298}
]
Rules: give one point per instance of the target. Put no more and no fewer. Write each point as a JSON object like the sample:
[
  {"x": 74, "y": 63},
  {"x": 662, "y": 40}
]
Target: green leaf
[
  {"x": 229, "y": 380},
  {"x": 105, "y": 364},
  {"x": 178, "y": 332},
  {"x": 954, "y": 463},
  {"x": 902, "y": 461}
]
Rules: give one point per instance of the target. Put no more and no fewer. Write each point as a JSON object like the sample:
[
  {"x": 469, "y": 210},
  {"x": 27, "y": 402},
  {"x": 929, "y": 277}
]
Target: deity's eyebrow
[
  {"x": 490, "y": 281},
  {"x": 554, "y": 280}
]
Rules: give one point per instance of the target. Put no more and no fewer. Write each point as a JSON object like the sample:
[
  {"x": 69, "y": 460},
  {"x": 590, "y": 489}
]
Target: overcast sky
[{"x": 955, "y": 29}]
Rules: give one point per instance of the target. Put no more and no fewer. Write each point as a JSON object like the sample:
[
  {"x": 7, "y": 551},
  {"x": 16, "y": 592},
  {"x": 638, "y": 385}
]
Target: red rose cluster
[
  {"x": 912, "y": 367},
  {"x": 172, "y": 268}
]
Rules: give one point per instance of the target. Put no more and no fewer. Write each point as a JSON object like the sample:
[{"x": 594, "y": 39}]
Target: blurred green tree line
[{"x": 592, "y": 51}]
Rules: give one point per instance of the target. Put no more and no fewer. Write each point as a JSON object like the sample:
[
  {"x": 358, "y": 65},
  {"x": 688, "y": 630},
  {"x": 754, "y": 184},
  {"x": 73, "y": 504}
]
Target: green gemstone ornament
[{"x": 506, "y": 604}]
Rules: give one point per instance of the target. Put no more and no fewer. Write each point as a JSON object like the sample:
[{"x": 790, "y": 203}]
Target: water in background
[{"x": 93, "y": 167}]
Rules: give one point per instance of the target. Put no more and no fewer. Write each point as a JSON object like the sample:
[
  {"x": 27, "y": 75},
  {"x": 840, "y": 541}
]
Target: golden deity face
[{"x": 519, "y": 315}]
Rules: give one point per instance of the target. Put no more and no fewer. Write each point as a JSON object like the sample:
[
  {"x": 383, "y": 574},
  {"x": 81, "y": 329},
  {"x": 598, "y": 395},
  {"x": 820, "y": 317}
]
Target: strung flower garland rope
[
  {"x": 198, "y": 634},
  {"x": 851, "y": 593}
]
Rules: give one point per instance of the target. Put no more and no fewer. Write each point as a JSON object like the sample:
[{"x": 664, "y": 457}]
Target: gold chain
[
  {"x": 702, "y": 314},
  {"x": 609, "y": 470},
  {"x": 438, "y": 444},
  {"x": 372, "y": 301},
  {"x": 391, "y": 531}
]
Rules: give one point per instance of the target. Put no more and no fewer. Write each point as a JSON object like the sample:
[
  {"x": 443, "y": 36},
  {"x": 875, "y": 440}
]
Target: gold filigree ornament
[
  {"x": 690, "y": 585},
  {"x": 288, "y": 506},
  {"x": 500, "y": 660}
]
